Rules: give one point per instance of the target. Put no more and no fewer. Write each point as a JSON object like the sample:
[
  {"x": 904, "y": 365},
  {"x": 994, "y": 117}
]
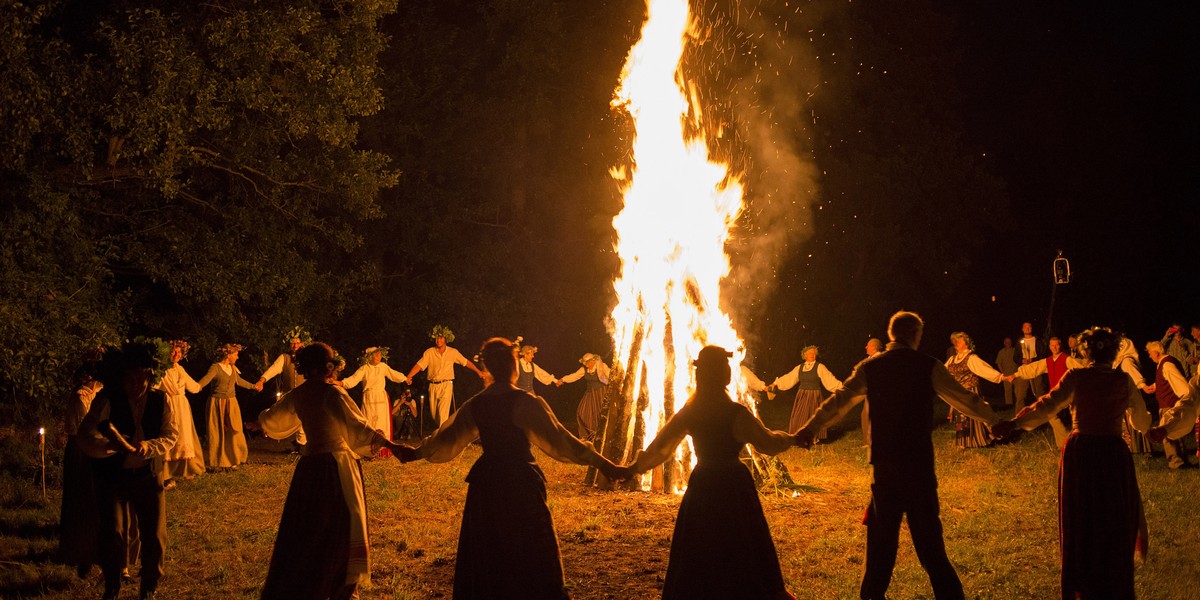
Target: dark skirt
[
  {"x": 807, "y": 403},
  {"x": 587, "y": 416},
  {"x": 313, "y": 544},
  {"x": 507, "y": 547},
  {"x": 1099, "y": 516},
  {"x": 722, "y": 546},
  {"x": 78, "y": 520}
]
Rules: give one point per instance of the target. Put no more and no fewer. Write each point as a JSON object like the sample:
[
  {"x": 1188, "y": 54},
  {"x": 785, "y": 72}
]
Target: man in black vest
[
  {"x": 128, "y": 425},
  {"x": 899, "y": 386}
]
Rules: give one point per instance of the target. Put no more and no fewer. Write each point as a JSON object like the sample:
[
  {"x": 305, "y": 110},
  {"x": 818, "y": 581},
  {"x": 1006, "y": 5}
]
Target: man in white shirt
[
  {"x": 1029, "y": 350},
  {"x": 440, "y": 360}
]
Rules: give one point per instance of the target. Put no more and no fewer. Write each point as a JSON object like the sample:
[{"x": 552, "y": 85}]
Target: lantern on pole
[{"x": 1062, "y": 269}]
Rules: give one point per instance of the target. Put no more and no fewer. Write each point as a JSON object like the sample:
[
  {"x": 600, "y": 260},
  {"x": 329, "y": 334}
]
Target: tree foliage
[{"x": 187, "y": 169}]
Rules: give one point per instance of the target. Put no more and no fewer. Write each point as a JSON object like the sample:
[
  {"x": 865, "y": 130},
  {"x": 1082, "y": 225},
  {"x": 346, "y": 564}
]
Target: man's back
[{"x": 900, "y": 399}]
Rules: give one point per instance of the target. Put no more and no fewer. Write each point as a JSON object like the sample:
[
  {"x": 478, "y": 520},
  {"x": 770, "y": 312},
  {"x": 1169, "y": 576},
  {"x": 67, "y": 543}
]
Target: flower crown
[
  {"x": 298, "y": 333},
  {"x": 441, "y": 331}
]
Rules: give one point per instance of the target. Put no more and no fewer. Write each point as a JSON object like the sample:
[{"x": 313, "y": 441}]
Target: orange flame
[{"x": 678, "y": 212}]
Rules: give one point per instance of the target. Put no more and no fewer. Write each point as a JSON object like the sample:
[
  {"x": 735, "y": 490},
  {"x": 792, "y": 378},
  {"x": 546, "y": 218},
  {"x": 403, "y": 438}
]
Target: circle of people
[{"x": 131, "y": 435}]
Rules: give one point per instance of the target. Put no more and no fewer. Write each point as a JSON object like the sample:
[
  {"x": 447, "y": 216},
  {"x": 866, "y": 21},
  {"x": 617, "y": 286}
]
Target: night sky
[
  {"x": 1083, "y": 113},
  {"x": 1088, "y": 110}
]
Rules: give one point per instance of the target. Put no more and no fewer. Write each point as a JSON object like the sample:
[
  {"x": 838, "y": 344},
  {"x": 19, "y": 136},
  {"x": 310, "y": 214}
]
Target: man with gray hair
[{"x": 898, "y": 386}]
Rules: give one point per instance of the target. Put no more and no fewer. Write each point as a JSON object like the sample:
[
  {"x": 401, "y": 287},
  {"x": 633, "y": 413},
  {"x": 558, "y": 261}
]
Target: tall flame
[{"x": 679, "y": 209}]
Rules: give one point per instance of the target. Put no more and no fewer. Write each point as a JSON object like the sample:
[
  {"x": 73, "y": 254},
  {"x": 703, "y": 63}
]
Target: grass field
[{"x": 998, "y": 507}]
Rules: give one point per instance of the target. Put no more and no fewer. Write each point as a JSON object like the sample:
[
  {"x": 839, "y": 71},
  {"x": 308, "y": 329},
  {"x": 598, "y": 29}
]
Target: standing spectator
[
  {"x": 899, "y": 386},
  {"x": 225, "y": 447},
  {"x": 374, "y": 375},
  {"x": 128, "y": 425},
  {"x": 1006, "y": 362},
  {"x": 322, "y": 548},
  {"x": 528, "y": 371},
  {"x": 1176, "y": 403},
  {"x": 967, "y": 368},
  {"x": 507, "y": 547},
  {"x": 1029, "y": 350},
  {"x": 720, "y": 515},
  {"x": 185, "y": 460},
  {"x": 811, "y": 379},
  {"x": 594, "y": 374},
  {"x": 440, "y": 360}
]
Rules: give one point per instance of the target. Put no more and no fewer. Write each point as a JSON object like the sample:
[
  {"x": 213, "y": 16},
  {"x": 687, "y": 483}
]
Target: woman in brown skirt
[{"x": 321, "y": 550}]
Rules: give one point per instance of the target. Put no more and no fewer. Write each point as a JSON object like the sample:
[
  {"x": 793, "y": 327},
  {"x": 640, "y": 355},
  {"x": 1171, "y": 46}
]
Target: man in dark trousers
[
  {"x": 899, "y": 386},
  {"x": 128, "y": 425}
]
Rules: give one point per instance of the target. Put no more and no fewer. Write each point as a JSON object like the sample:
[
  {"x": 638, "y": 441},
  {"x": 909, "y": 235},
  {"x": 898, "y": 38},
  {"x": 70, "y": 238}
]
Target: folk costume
[
  {"x": 528, "y": 371},
  {"x": 1101, "y": 522},
  {"x": 1127, "y": 362},
  {"x": 322, "y": 545},
  {"x": 1054, "y": 366},
  {"x": 185, "y": 459},
  {"x": 812, "y": 381},
  {"x": 720, "y": 515},
  {"x": 595, "y": 381},
  {"x": 507, "y": 547},
  {"x": 226, "y": 444},
  {"x": 376, "y": 407},
  {"x": 440, "y": 367},
  {"x": 1176, "y": 407},
  {"x": 898, "y": 386},
  {"x": 128, "y": 487},
  {"x": 967, "y": 368}
]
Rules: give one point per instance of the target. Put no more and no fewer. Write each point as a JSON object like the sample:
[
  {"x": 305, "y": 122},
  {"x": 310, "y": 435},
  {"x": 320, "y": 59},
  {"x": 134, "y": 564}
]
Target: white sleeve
[
  {"x": 979, "y": 367},
  {"x": 393, "y": 374},
  {"x": 788, "y": 381},
  {"x": 541, "y": 375},
  {"x": 753, "y": 383},
  {"x": 573, "y": 377},
  {"x": 1031, "y": 370},
  {"x": 830, "y": 382},
  {"x": 354, "y": 379},
  {"x": 275, "y": 369}
]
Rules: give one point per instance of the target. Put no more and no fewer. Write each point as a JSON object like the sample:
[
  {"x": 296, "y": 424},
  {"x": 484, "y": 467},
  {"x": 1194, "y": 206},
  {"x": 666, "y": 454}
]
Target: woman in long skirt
[
  {"x": 507, "y": 547},
  {"x": 968, "y": 369},
  {"x": 226, "y": 443},
  {"x": 813, "y": 382},
  {"x": 1101, "y": 525},
  {"x": 184, "y": 460},
  {"x": 321, "y": 550},
  {"x": 722, "y": 545},
  {"x": 594, "y": 374}
]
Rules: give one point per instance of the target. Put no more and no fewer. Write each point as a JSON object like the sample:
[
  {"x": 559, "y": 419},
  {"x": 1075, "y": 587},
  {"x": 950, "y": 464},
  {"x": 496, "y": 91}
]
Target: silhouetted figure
[
  {"x": 321, "y": 550},
  {"x": 722, "y": 546},
  {"x": 507, "y": 547},
  {"x": 1100, "y": 519},
  {"x": 78, "y": 521},
  {"x": 899, "y": 386}
]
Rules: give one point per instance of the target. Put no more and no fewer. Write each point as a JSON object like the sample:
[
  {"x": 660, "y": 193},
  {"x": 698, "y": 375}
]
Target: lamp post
[{"x": 1061, "y": 270}]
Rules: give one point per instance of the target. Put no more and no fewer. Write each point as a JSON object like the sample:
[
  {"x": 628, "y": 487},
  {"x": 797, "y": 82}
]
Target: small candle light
[{"x": 42, "y": 447}]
